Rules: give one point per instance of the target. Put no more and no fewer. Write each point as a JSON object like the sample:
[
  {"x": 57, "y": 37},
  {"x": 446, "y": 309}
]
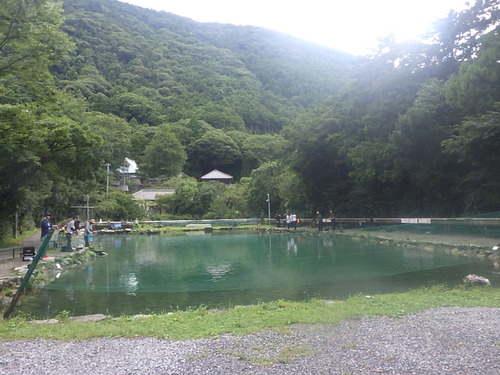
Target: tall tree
[
  {"x": 214, "y": 150},
  {"x": 42, "y": 137},
  {"x": 475, "y": 87},
  {"x": 475, "y": 145},
  {"x": 30, "y": 38},
  {"x": 263, "y": 181},
  {"x": 164, "y": 156}
]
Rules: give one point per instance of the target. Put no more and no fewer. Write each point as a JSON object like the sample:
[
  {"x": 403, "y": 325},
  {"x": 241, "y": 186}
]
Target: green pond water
[{"x": 156, "y": 274}]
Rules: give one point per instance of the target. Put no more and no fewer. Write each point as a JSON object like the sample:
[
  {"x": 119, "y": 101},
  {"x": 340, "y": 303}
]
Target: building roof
[
  {"x": 129, "y": 166},
  {"x": 216, "y": 175},
  {"x": 150, "y": 194}
]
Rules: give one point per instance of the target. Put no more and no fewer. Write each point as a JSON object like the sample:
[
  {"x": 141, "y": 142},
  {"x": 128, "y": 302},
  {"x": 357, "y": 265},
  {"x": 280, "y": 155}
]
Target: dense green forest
[{"x": 413, "y": 130}]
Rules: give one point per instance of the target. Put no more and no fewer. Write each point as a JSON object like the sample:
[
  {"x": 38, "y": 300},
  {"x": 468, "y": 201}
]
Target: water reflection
[
  {"x": 129, "y": 281},
  {"x": 292, "y": 246},
  {"x": 160, "y": 273}
]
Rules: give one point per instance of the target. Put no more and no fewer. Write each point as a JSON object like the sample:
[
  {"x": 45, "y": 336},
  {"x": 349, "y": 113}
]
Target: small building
[
  {"x": 129, "y": 167},
  {"x": 127, "y": 175},
  {"x": 148, "y": 198},
  {"x": 217, "y": 175},
  {"x": 150, "y": 194}
]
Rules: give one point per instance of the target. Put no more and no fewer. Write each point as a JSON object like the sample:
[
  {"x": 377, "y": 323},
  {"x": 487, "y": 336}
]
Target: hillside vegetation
[{"x": 412, "y": 130}]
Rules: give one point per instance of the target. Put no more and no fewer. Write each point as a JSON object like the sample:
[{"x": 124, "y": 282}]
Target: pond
[{"x": 157, "y": 274}]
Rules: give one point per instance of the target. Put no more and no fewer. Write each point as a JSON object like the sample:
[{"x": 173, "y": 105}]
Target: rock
[
  {"x": 45, "y": 321},
  {"x": 494, "y": 257},
  {"x": 89, "y": 318},
  {"x": 476, "y": 280}
]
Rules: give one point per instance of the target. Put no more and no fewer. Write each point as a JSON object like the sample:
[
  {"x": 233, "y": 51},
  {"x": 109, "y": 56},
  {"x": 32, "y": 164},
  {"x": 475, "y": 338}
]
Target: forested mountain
[
  {"x": 157, "y": 67},
  {"x": 413, "y": 130}
]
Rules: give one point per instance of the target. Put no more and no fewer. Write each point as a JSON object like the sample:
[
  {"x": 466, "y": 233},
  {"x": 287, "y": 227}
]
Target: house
[
  {"x": 150, "y": 194},
  {"x": 128, "y": 174},
  {"x": 148, "y": 198},
  {"x": 129, "y": 167},
  {"x": 217, "y": 175}
]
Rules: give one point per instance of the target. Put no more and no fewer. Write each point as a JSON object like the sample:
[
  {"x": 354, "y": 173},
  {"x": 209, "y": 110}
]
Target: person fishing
[{"x": 89, "y": 232}]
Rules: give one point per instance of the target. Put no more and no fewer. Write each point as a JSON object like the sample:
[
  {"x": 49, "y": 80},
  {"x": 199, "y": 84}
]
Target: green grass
[
  {"x": 203, "y": 323},
  {"x": 13, "y": 242}
]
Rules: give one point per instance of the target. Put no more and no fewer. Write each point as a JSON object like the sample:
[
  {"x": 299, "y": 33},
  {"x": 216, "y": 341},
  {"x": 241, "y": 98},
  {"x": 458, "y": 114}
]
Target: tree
[
  {"x": 229, "y": 203},
  {"x": 44, "y": 151},
  {"x": 185, "y": 193},
  {"x": 25, "y": 26},
  {"x": 475, "y": 146},
  {"x": 474, "y": 88},
  {"x": 458, "y": 37},
  {"x": 119, "y": 206},
  {"x": 164, "y": 156},
  {"x": 133, "y": 105},
  {"x": 116, "y": 135},
  {"x": 257, "y": 149},
  {"x": 207, "y": 192},
  {"x": 214, "y": 150},
  {"x": 34, "y": 136},
  {"x": 263, "y": 181},
  {"x": 291, "y": 191}
]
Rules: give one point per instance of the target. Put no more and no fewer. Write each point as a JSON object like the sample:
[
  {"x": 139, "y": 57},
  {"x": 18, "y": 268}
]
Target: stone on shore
[{"x": 476, "y": 280}]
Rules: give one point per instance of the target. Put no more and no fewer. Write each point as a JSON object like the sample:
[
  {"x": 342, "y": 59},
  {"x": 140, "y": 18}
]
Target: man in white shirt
[{"x": 70, "y": 230}]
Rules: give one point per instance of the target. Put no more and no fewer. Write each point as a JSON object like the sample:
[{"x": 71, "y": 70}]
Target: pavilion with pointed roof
[{"x": 217, "y": 175}]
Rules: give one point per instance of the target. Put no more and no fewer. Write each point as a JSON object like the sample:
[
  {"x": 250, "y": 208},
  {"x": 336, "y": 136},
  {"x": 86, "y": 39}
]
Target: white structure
[
  {"x": 129, "y": 167},
  {"x": 127, "y": 172},
  {"x": 217, "y": 175}
]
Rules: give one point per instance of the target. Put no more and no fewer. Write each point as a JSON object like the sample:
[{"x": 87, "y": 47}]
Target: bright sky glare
[{"x": 350, "y": 26}]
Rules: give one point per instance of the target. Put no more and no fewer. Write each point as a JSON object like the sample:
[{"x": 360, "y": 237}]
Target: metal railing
[{"x": 14, "y": 250}]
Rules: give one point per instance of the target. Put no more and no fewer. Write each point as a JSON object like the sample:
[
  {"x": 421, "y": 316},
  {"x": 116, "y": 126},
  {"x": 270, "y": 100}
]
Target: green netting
[
  {"x": 484, "y": 225},
  {"x": 486, "y": 215}
]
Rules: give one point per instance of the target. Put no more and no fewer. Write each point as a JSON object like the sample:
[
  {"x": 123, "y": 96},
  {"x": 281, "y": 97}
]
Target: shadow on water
[{"x": 156, "y": 274}]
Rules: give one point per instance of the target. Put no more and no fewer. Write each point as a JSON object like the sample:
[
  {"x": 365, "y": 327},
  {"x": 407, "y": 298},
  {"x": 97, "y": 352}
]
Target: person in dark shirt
[
  {"x": 332, "y": 220},
  {"x": 319, "y": 221},
  {"x": 46, "y": 225}
]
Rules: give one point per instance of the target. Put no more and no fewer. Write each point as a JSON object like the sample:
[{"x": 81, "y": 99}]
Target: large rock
[{"x": 476, "y": 280}]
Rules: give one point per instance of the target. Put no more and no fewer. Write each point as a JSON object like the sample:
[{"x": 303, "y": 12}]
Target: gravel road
[{"x": 458, "y": 341}]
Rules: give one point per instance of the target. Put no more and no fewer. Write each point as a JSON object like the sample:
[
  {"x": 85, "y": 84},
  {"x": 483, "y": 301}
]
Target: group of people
[
  {"x": 71, "y": 228},
  {"x": 288, "y": 220},
  {"x": 319, "y": 221}
]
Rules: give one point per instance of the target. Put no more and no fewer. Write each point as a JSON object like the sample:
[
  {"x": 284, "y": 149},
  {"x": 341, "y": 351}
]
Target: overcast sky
[{"x": 350, "y": 26}]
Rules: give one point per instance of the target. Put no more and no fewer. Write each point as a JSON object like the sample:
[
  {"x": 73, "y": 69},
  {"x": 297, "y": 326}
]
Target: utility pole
[
  {"x": 87, "y": 207},
  {"x": 268, "y": 210},
  {"x": 107, "y": 180},
  {"x": 16, "y": 224}
]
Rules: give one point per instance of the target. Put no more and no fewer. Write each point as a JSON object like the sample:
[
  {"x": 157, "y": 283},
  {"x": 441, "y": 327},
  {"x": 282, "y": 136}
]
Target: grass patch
[
  {"x": 240, "y": 320},
  {"x": 13, "y": 242}
]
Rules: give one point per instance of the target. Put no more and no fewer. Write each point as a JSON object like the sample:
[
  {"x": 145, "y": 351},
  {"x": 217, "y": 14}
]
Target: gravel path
[{"x": 454, "y": 341}]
